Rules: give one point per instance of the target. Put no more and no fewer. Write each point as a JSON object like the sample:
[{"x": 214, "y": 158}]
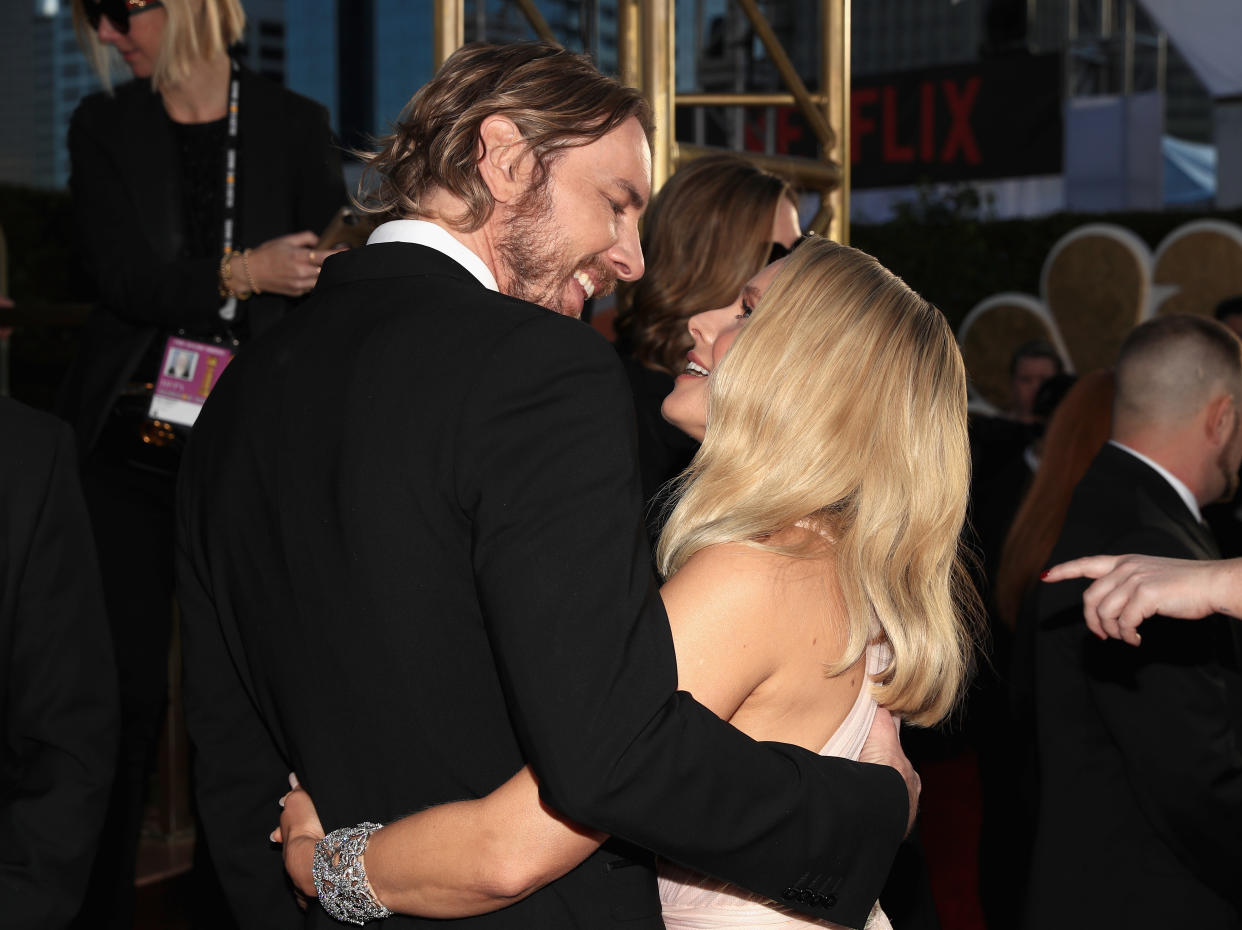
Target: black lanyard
[{"x": 228, "y": 310}]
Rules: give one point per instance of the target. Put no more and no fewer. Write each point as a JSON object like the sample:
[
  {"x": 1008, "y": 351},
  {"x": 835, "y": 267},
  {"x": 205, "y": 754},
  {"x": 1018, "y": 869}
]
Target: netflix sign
[
  {"x": 988, "y": 119},
  {"x": 991, "y": 119}
]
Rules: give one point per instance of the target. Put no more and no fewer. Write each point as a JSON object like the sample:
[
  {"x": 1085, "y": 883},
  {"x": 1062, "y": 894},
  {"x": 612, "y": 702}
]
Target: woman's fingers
[
  {"x": 1091, "y": 566},
  {"x": 287, "y": 265},
  {"x": 1131, "y": 588}
]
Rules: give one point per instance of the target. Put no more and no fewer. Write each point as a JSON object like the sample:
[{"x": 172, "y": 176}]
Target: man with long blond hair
[{"x": 412, "y": 557}]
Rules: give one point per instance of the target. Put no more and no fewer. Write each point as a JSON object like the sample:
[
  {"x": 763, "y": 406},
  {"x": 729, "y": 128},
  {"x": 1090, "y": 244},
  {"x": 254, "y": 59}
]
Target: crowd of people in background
[
  {"x": 417, "y": 536},
  {"x": 1098, "y": 764}
]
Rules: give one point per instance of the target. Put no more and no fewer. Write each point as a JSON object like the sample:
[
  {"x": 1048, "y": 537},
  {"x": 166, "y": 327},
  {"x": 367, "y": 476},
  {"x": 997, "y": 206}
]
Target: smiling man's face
[{"x": 579, "y": 235}]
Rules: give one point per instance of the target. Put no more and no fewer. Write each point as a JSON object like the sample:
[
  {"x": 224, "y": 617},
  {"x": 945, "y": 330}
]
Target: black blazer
[
  {"x": 1140, "y": 819},
  {"x": 58, "y": 691},
  {"x": 128, "y": 203},
  {"x": 411, "y": 559}
]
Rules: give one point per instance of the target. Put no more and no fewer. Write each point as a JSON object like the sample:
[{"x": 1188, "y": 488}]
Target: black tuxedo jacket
[
  {"x": 128, "y": 206},
  {"x": 411, "y": 559},
  {"x": 58, "y": 691},
  {"x": 1140, "y": 749}
]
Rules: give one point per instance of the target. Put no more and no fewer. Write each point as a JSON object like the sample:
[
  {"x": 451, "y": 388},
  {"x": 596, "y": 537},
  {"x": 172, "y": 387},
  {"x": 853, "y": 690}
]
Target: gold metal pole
[
  {"x": 537, "y": 22},
  {"x": 629, "y": 52},
  {"x": 834, "y": 18},
  {"x": 789, "y": 74},
  {"x": 659, "y": 83},
  {"x": 745, "y": 100},
  {"x": 803, "y": 172},
  {"x": 448, "y": 28}
]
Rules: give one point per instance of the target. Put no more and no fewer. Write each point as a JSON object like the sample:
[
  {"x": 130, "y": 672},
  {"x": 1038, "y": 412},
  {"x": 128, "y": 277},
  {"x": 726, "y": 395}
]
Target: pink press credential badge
[{"x": 188, "y": 373}]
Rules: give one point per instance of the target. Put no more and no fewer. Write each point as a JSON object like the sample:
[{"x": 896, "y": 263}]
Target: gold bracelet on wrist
[
  {"x": 227, "y": 289},
  {"x": 254, "y": 288},
  {"x": 226, "y": 276}
]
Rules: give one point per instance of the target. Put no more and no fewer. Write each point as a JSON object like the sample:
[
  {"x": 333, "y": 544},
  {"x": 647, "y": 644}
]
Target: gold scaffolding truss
[{"x": 646, "y": 52}]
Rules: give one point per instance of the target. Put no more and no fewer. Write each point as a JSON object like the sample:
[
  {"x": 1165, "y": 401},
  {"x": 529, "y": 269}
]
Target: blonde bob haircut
[
  {"x": 842, "y": 407},
  {"x": 195, "y": 30}
]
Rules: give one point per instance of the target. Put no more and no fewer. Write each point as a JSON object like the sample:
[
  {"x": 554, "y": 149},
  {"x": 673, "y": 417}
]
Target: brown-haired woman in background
[
  {"x": 1077, "y": 431},
  {"x": 710, "y": 229},
  {"x": 192, "y": 226}
]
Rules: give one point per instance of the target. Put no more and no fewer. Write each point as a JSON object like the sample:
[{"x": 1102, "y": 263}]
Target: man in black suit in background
[
  {"x": 411, "y": 549},
  {"x": 1140, "y": 818},
  {"x": 59, "y": 710}
]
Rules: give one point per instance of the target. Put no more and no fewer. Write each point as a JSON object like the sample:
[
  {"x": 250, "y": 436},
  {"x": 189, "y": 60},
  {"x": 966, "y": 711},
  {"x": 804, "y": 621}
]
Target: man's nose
[{"x": 627, "y": 254}]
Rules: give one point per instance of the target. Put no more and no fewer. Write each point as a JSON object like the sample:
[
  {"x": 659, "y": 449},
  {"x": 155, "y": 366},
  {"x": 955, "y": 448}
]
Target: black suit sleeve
[
  {"x": 60, "y": 704},
  {"x": 1165, "y": 706},
  {"x": 238, "y": 773},
  {"x": 585, "y": 653}
]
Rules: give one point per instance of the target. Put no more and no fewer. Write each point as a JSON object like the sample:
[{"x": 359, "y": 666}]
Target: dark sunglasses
[
  {"x": 779, "y": 251},
  {"x": 117, "y": 11}
]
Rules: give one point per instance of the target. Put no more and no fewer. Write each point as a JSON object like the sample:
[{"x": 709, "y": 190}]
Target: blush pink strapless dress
[{"x": 690, "y": 901}]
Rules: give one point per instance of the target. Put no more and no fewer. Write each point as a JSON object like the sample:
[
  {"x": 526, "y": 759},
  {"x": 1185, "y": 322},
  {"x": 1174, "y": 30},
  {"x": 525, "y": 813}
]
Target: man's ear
[
  {"x": 1222, "y": 415},
  {"x": 501, "y": 151}
]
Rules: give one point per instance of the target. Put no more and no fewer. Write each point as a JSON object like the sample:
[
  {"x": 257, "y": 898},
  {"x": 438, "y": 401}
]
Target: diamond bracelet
[{"x": 341, "y": 879}]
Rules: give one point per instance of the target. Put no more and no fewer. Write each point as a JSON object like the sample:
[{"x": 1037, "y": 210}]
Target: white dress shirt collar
[
  {"x": 421, "y": 232},
  {"x": 1182, "y": 491}
]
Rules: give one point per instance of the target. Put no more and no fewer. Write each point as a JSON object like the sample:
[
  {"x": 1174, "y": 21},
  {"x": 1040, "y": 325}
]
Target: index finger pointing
[{"x": 1090, "y": 566}]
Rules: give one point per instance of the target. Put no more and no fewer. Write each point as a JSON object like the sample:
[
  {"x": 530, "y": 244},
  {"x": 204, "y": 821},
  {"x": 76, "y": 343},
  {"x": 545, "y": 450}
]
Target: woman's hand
[
  {"x": 883, "y": 747},
  {"x": 287, "y": 265},
  {"x": 298, "y": 832},
  {"x": 1131, "y": 588}
]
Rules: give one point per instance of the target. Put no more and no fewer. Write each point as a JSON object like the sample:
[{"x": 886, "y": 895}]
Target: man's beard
[
  {"x": 535, "y": 255},
  {"x": 1231, "y": 478}
]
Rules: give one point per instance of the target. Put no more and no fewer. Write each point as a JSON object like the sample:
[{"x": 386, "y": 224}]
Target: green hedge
[{"x": 955, "y": 261}]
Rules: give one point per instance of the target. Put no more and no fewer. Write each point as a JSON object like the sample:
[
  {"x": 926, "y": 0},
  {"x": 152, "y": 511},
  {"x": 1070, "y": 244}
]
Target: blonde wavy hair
[
  {"x": 195, "y": 30},
  {"x": 842, "y": 407}
]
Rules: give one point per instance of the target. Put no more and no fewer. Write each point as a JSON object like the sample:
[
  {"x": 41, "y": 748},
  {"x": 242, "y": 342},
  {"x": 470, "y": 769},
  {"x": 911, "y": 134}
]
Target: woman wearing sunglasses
[{"x": 199, "y": 189}]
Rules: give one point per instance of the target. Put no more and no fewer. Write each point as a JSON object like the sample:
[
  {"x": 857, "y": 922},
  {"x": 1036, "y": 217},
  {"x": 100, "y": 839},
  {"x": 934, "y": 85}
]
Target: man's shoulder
[
  {"x": 1119, "y": 507},
  {"x": 1123, "y": 502},
  {"x": 430, "y": 291}
]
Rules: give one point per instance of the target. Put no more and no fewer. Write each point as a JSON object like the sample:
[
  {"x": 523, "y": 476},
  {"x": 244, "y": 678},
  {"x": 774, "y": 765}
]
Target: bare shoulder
[
  {"x": 738, "y": 593},
  {"x": 721, "y": 610},
  {"x": 749, "y": 630},
  {"x": 733, "y": 576}
]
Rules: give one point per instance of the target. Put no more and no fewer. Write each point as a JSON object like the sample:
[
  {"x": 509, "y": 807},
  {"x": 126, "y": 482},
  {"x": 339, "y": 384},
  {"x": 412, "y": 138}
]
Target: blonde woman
[
  {"x": 814, "y": 583},
  {"x": 717, "y": 205},
  {"x": 192, "y": 227}
]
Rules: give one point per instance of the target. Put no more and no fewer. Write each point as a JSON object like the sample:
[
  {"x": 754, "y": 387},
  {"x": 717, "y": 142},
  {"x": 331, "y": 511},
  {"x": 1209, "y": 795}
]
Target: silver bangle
[{"x": 341, "y": 879}]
